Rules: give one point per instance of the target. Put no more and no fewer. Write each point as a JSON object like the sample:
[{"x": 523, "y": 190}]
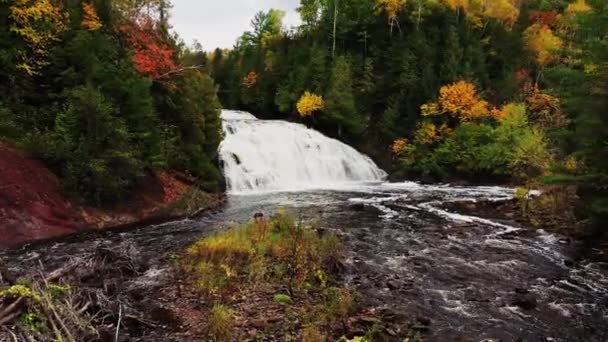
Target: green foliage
[
  {"x": 581, "y": 82},
  {"x": 340, "y": 110},
  {"x": 32, "y": 321},
  {"x": 281, "y": 298},
  {"x": 511, "y": 148}
]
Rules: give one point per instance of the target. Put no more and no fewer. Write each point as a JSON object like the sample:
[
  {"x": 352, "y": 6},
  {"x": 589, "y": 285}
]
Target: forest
[
  {"x": 103, "y": 94},
  {"x": 486, "y": 91}
]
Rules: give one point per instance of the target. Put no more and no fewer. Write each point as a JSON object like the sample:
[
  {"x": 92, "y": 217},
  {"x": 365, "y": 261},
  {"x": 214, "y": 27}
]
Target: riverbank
[{"x": 33, "y": 207}]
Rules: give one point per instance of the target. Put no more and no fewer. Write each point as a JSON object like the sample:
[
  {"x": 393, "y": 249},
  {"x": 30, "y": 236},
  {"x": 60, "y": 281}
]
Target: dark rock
[
  {"x": 424, "y": 321},
  {"x": 525, "y": 301},
  {"x": 357, "y": 207},
  {"x": 521, "y": 291},
  {"x": 393, "y": 285},
  {"x": 568, "y": 263}
]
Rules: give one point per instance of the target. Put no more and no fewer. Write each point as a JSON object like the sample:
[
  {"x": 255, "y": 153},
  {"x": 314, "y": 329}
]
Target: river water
[{"x": 473, "y": 278}]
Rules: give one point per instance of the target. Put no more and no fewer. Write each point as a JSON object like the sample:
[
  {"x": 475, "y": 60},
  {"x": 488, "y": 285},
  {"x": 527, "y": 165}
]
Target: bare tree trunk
[{"x": 333, "y": 51}]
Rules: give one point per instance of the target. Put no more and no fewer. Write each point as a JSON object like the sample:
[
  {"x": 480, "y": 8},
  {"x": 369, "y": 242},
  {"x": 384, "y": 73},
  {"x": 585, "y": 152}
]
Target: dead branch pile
[{"x": 86, "y": 299}]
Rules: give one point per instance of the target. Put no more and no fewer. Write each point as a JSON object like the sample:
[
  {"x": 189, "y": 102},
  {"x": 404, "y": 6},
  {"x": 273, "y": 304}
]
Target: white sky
[{"x": 218, "y": 23}]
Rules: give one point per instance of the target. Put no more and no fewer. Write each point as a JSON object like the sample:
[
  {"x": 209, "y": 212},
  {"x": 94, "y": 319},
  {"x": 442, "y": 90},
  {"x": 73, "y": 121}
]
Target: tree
[
  {"x": 541, "y": 40},
  {"x": 583, "y": 84},
  {"x": 39, "y": 24},
  {"x": 309, "y": 104},
  {"x": 309, "y": 12},
  {"x": 266, "y": 27},
  {"x": 392, "y": 9},
  {"x": 91, "y": 20},
  {"x": 152, "y": 56},
  {"x": 340, "y": 110}
]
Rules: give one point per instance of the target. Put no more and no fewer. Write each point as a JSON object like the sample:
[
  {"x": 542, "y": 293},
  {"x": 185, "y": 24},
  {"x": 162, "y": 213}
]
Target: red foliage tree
[{"x": 152, "y": 56}]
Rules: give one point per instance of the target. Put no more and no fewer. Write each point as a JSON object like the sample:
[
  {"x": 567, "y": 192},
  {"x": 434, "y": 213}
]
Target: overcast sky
[{"x": 218, "y": 23}]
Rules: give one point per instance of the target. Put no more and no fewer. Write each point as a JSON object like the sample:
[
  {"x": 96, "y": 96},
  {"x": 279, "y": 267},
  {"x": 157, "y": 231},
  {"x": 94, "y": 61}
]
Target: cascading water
[{"x": 262, "y": 155}]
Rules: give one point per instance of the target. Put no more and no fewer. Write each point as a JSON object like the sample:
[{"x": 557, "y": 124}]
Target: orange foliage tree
[
  {"x": 250, "y": 80},
  {"x": 461, "y": 101},
  {"x": 392, "y": 9},
  {"x": 91, "y": 20}
]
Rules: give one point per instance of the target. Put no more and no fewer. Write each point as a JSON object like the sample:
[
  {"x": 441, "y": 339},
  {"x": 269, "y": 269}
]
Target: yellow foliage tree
[
  {"x": 39, "y": 23},
  {"x": 541, "y": 40},
  {"x": 309, "y": 104},
  {"x": 250, "y": 80},
  {"x": 392, "y": 9},
  {"x": 91, "y": 20},
  {"x": 578, "y": 7},
  {"x": 504, "y": 11}
]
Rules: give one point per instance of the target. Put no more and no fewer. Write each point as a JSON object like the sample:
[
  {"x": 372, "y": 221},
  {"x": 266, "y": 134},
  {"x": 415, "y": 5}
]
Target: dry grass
[
  {"x": 280, "y": 250},
  {"x": 221, "y": 323}
]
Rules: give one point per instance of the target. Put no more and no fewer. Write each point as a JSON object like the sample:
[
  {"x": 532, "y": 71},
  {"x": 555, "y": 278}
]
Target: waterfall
[{"x": 264, "y": 155}]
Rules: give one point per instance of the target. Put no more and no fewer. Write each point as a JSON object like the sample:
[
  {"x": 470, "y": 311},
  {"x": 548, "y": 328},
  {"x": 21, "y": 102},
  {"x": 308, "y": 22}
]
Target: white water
[{"x": 262, "y": 155}]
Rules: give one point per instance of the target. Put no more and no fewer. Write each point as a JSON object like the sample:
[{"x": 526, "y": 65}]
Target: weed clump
[
  {"x": 281, "y": 250},
  {"x": 221, "y": 323}
]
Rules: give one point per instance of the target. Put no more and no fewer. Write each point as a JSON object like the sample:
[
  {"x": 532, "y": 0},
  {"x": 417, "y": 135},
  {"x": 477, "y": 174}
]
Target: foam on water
[{"x": 262, "y": 156}]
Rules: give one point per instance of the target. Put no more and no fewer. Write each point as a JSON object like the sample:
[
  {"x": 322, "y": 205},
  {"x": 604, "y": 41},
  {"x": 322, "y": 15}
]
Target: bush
[
  {"x": 280, "y": 250},
  {"x": 510, "y": 148},
  {"x": 221, "y": 323}
]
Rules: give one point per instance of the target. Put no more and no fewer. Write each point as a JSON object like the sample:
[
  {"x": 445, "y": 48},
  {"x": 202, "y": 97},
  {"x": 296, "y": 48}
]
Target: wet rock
[
  {"x": 357, "y": 207},
  {"x": 394, "y": 285},
  {"x": 526, "y": 301},
  {"x": 424, "y": 321},
  {"x": 565, "y": 241}
]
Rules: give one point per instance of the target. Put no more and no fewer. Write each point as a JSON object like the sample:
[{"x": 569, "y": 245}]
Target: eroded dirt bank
[{"x": 32, "y": 207}]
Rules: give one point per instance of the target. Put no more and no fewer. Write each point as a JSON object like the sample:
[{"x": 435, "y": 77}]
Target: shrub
[
  {"x": 221, "y": 323},
  {"x": 280, "y": 250}
]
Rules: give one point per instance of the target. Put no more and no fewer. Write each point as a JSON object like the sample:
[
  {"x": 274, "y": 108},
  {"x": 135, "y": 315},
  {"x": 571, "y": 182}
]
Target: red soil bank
[{"x": 33, "y": 208}]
